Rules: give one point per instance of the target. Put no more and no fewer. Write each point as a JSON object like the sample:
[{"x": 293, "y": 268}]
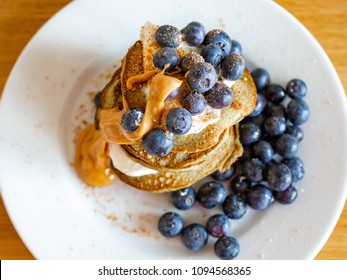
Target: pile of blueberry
[
  {"x": 267, "y": 171},
  {"x": 195, "y": 236},
  {"x": 217, "y": 57}
]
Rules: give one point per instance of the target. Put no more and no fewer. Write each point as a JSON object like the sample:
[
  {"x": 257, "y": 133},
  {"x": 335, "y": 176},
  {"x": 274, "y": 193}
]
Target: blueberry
[
  {"x": 220, "y": 96},
  {"x": 212, "y": 54},
  {"x": 157, "y": 142},
  {"x": 194, "y": 237},
  {"x": 179, "y": 121},
  {"x": 170, "y": 224},
  {"x": 286, "y": 146},
  {"x": 296, "y": 131},
  {"x": 296, "y": 167},
  {"x": 262, "y": 150},
  {"x": 240, "y": 184},
  {"x": 202, "y": 77},
  {"x": 166, "y": 56},
  {"x": 220, "y": 38},
  {"x": 218, "y": 225},
  {"x": 275, "y": 110},
  {"x": 287, "y": 196},
  {"x": 223, "y": 176},
  {"x": 259, "y": 106},
  {"x": 168, "y": 36},
  {"x": 234, "y": 206},
  {"x": 211, "y": 194},
  {"x": 258, "y": 120},
  {"x": 232, "y": 67},
  {"x": 279, "y": 177},
  {"x": 227, "y": 248},
  {"x": 252, "y": 169},
  {"x": 274, "y": 126},
  {"x": 298, "y": 111},
  {"x": 194, "y": 33},
  {"x": 267, "y": 167},
  {"x": 259, "y": 197},
  {"x": 235, "y": 47},
  {"x": 173, "y": 94},
  {"x": 275, "y": 93},
  {"x": 96, "y": 99},
  {"x": 183, "y": 199},
  {"x": 261, "y": 78},
  {"x": 189, "y": 60},
  {"x": 296, "y": 88},
  {"x": 271, "y": 140},
  {"x": 131, "y": 119},
  {"x": 249, "y": 133},
  {"x": 245, "y": 155},
  {"x": 194, "y": 102}
]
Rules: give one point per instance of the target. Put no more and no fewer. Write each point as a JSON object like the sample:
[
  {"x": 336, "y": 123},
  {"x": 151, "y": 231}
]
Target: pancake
[
  {"x": 176, "y": 160},
  {"x": 215, "y": 147},
  {"x": 170, "y": 180}
]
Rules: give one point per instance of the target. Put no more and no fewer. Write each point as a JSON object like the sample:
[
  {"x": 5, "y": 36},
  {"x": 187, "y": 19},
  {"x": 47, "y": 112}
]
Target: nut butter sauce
[
  {"x": 92, "y": 160},
  {"x": 111, "y": 120}
]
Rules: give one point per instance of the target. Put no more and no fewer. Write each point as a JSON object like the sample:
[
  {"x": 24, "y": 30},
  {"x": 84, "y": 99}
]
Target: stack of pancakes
[{"x": 194, "y": 155}]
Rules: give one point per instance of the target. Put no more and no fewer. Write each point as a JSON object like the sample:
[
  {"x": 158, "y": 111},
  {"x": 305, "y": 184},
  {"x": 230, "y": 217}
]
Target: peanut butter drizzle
[
  {"x": 160, "y": 87},
  {"x": 92, "y": 161},
  {"x": 140, "y": 78}
]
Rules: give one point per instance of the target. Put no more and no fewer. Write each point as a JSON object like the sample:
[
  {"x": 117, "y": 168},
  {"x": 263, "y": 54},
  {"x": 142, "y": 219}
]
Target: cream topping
[
  {"x": 200, "y": 122},
  {"x": 125, "y": 164},
  {"x": 227, "y": 82}
]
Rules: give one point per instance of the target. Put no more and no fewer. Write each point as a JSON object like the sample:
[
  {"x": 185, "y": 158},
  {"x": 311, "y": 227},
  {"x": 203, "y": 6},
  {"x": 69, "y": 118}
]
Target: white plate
[{"x": 71, "y": 57}]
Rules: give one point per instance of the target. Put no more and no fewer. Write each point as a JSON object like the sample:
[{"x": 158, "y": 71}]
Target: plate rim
[{"x": 302, "y": 27}]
